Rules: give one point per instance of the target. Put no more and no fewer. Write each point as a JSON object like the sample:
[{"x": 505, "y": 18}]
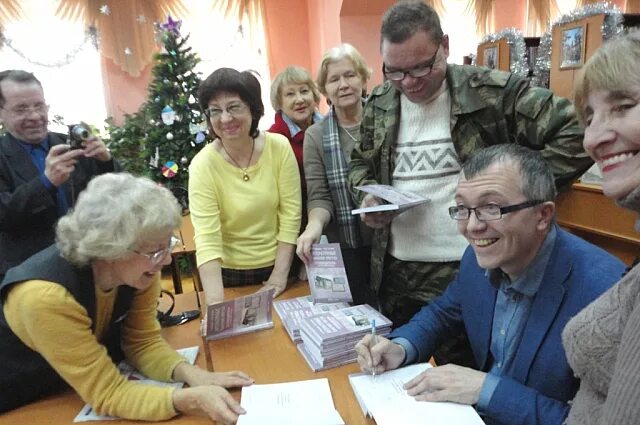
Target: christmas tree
[{"x": 160, "y": 140}]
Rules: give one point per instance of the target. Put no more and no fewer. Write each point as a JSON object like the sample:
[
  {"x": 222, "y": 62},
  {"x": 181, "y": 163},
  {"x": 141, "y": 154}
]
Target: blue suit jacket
[{"x": 542, "y": 382}]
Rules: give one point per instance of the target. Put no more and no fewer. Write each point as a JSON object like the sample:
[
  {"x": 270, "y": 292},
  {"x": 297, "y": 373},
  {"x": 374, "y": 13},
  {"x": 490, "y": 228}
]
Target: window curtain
[
  {"x": 125, "y": 34},
  {"x": 632, "y": 6},
  {"x": 483, "y": 10},
  {"x": 541, "y": 13},
  {"x": 10, "y": 10}
]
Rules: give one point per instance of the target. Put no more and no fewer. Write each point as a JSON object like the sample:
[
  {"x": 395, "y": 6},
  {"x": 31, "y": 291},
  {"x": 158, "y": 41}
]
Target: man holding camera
[{"x": 40, "y": 174}]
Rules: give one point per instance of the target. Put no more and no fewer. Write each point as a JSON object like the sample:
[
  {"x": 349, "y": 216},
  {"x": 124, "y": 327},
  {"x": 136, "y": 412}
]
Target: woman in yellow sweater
[
  {"x": 74, "y": 309},
  {"x": 244, "y": 191}
]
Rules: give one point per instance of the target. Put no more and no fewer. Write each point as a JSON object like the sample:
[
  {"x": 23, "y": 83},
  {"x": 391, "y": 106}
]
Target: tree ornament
[
  {"x": 200, "y": 137},
  {"x": 169, "y": 136},
  {"x": 155, "y": 159},
  {"x": 168, "y": 115},
  {"x": 172, "y": 26},
  {"x": 184, "y": 160},
  {"x": 170, "y": 169},
  {"x": 152, "y": 121},
  {"x": 192, "y": 99}
]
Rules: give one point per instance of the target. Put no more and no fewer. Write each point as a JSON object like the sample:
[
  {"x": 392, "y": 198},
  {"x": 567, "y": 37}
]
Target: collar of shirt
[
  {"x": 529, "y": 282},
  {"x": 28, "y": 146},
  {"x": 295, "y": 128}
]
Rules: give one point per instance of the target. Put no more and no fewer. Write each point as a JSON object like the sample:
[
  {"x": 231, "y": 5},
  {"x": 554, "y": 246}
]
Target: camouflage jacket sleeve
[
  {"x": 491, "y": 107},
  {"x": 371, "y": 159}
]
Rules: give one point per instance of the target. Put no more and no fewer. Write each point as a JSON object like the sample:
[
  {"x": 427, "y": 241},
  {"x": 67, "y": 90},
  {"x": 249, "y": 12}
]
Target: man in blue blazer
[{"x": 521, "y": 279}]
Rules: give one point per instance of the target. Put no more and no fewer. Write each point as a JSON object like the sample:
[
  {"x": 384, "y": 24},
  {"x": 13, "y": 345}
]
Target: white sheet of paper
[
  {"x": 301, "y": 402},
  {"x": 87, "y": 413},
  {"x": 383, "y": 398}
]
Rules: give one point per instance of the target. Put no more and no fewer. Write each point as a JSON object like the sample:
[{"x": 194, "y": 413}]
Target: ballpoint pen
[{"x": 374, "y": 342}]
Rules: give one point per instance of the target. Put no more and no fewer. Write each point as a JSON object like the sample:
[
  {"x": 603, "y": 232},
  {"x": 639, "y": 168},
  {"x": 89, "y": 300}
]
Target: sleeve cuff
[
  {"x": 486, "y": 392},
  {"x": 46, "y": 182},
  {"x": 410, "y": 352}
]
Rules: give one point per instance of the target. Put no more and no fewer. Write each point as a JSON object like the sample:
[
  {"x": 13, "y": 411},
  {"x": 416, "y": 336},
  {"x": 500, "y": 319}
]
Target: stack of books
[
  {"x": 329, "y": 339},
  {"x": 292, "y": 312}
]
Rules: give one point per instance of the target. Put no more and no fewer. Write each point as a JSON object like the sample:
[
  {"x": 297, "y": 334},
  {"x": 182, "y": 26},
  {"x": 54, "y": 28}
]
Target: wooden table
[{"x": 268, "y": 356}]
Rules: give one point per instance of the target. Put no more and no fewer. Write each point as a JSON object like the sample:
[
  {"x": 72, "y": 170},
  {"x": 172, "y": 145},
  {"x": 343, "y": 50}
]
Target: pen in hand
[{"x": 374, "y": 341}]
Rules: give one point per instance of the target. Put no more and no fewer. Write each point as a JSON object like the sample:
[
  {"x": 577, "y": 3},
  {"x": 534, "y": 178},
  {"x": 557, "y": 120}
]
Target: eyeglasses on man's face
[
  {"x": 488, "y": 212},
  {"x": 157, "y": 257},
  {"x": 419, "y": 71},
  {"x": 22, "y": 111},
  {"x": 234, "y": 109}
]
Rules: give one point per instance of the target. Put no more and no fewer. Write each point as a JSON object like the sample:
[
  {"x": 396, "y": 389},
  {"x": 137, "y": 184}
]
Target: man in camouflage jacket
[{"x": 486, "y": 108}]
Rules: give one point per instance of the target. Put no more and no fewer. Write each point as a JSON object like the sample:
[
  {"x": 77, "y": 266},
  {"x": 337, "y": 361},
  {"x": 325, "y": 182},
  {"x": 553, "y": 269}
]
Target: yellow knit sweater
[{"x": 46, "y": 317}]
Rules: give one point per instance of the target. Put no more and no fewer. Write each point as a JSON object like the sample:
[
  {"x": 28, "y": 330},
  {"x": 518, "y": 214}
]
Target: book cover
[
  {"x": 394, "y": 199},
  {"x": 239, "y": 316},
  {"x": 292, "y": 311},
  {"x": 343, "y": 324},
  {"x": 327, "y": 277}
]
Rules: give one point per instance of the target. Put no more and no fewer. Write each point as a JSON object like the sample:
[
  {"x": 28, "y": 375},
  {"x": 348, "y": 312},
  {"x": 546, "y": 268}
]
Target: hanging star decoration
[
  {"x": 172, "y": 26},
  {"x": 104, "y": 9},
  {"x": 127, "y": 51},
  {"x": 141, "y": 19}
]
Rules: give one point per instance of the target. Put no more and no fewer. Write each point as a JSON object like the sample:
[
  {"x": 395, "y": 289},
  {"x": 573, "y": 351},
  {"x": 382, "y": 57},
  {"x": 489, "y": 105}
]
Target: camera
[{"x": 78, "y": 133}]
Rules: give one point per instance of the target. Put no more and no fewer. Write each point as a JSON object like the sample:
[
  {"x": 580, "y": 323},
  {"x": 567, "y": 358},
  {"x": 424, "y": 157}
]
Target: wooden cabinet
[{"x": 585, "y": 211}]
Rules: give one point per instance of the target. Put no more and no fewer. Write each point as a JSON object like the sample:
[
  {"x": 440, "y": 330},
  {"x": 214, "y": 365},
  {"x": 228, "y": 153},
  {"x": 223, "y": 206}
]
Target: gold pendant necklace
[{"x": 245, "y": 175}]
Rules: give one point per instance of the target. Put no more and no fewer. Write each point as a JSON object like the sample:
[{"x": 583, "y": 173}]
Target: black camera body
[{"x": 78, "y": 133}]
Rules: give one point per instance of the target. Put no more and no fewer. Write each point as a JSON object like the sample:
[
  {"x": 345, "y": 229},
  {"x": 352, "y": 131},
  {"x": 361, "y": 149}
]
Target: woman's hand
[
  {"x": 196, "y": 377},
  {"x": 310, "y": 236},
  {"x": 275, "y": 282},
  {"x": 211, "y": 400}
]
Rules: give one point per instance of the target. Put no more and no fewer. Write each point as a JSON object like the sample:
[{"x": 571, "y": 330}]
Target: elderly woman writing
[
  {"x": 342, "y": 78},
  {"x": 244, "y": 191},
  {"x": 72, "y": 310},
  {"x": 603, "y": 341}
]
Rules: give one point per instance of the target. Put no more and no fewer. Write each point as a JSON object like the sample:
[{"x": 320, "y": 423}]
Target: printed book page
[
  {"x": 302, "y": 402},
  {"x": 394, "y": 199},
  {"x": 238, "y": 316},
  {"x": 87, "y": 413},
  {"x": 383, "y": 398},
  {"x": 327, "y": 277}
]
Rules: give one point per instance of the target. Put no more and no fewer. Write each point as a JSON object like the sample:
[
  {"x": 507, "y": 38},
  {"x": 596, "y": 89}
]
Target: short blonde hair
[
  {"x": 291, "y": 75},
  {"x": 335, "y": 54},
  {"x": 115, "y": 214},
  {"x": 613, "y": 67}
]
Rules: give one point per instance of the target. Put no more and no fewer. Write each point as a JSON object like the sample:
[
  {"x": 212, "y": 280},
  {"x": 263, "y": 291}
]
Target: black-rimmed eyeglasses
[
  {"x": 488, "y": 212},
  {"x": 419, "y": 71}
]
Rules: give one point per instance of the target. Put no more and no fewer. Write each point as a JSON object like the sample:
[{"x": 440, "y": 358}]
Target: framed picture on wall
[
  {"x": 572, "y": 46},
  {"x": 490, "y": 57}
]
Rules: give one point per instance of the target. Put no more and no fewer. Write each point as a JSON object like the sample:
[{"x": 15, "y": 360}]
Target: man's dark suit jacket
[
  {"x": 542, "y": 383},
  {"x": 28, "y": 211}
]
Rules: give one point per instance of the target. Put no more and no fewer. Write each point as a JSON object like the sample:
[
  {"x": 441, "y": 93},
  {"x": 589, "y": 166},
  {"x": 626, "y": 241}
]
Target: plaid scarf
[{"x": 337, "y": 169}]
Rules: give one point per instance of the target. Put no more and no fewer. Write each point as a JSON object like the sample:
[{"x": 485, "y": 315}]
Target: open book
[
  {"x": 394, "y": 199},
  {"x": 238, "y": 316},
  {"x": 327, "y": 277},
  {"x": 383, "y": 398},
  {"x": 289, "y": 403}
]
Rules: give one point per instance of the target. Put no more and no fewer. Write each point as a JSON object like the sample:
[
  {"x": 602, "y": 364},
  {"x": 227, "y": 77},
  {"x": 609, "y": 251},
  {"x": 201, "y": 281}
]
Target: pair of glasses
[
  {"x": 488, "y": 212},
  {"x": 156, "y": 257},
  {"x": 233, "y": 109},
  {"x": 23, "y": 110},
  {"x": 419, "y": 71}
]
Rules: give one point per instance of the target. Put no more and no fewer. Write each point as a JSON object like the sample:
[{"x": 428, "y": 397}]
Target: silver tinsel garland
[
  {"x": 611, "y": 27},
  {"x": 517, "y": 49},
  {"x": 91, "y": 36}
]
